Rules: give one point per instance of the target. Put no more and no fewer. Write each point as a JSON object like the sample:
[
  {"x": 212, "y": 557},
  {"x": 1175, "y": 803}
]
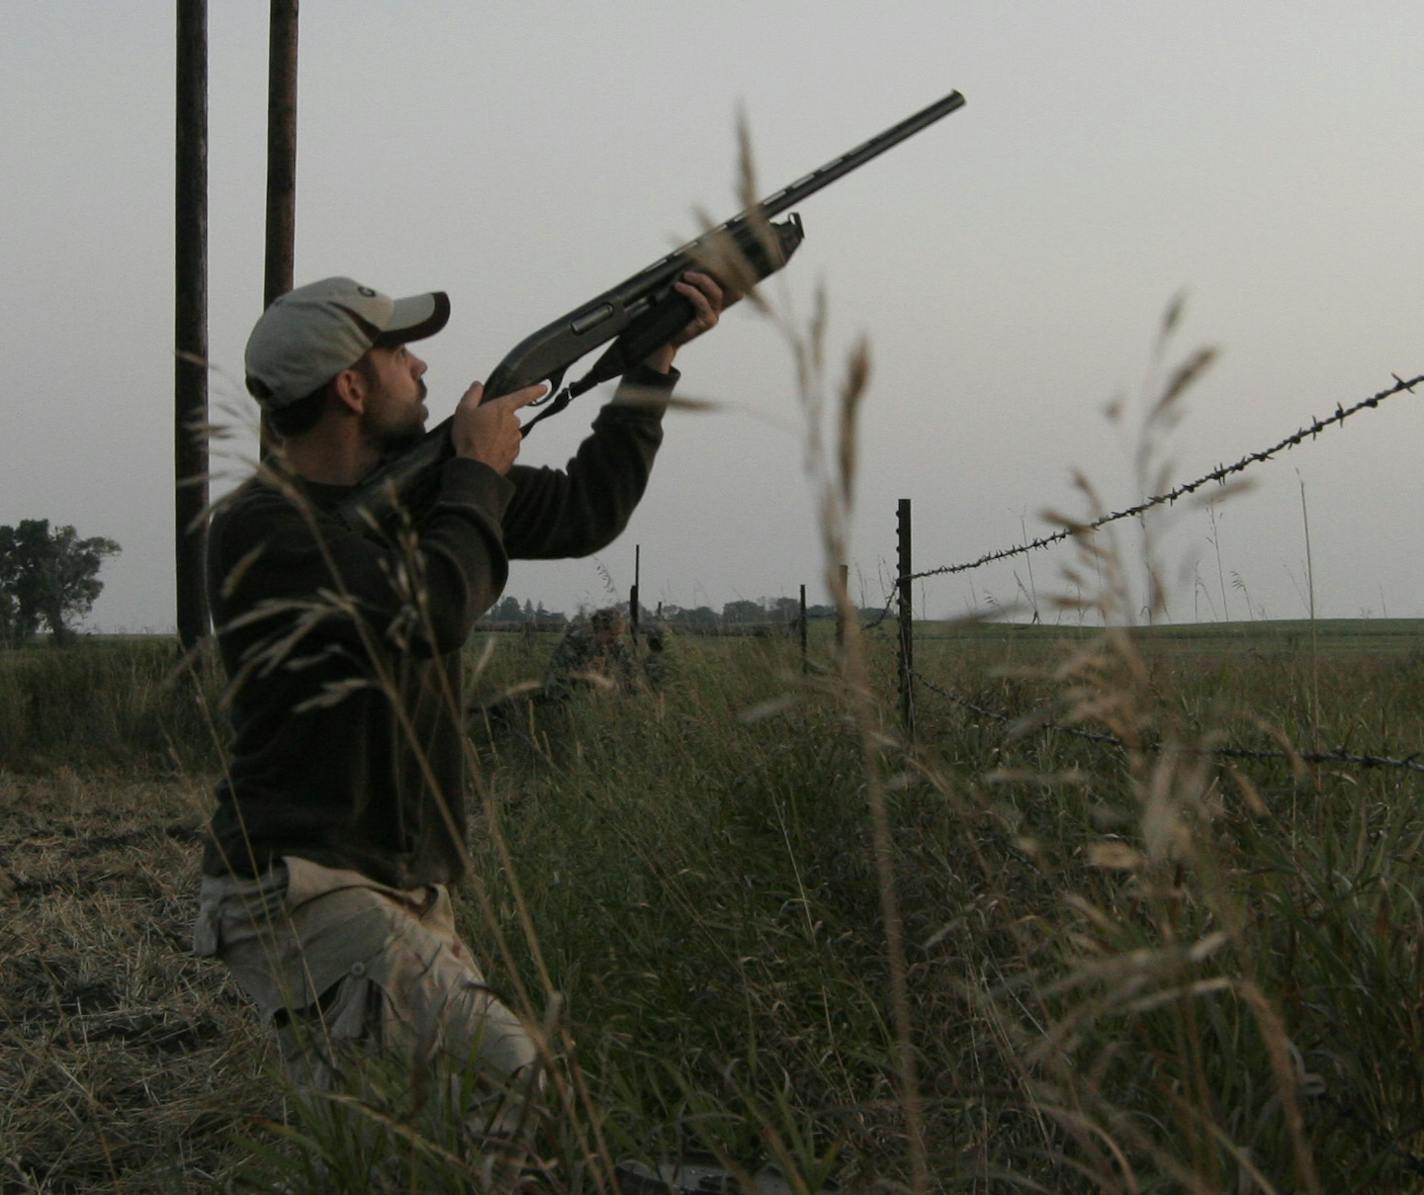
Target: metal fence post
[
  {"x": 805, "y": 662},
  {"x": 190, "y": 321},
  {"x": 633, "y": 599},
  {"x": 840, "y": 606},
  {"x": 905, "y": 568}
]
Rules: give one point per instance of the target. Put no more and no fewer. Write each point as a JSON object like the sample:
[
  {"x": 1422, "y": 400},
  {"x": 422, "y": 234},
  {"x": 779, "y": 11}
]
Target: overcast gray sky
[{"x": 1009, "y": 266}]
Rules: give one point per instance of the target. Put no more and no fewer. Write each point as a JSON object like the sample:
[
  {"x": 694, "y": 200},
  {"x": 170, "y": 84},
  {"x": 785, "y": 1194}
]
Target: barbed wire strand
[{"x": 1219, "y": 474}]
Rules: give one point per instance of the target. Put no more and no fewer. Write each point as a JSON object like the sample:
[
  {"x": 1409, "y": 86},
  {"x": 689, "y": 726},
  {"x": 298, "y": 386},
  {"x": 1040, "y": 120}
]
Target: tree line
[
  {"x": 741, "y": 612},
  {"x": 49, "y": 577}
]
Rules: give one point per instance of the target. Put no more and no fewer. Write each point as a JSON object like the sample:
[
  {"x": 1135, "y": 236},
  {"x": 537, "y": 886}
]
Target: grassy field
[{"x": 1129, "y": 966}]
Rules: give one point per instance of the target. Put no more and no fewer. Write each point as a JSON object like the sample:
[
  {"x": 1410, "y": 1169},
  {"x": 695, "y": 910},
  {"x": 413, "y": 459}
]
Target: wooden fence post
[{"x": 905, "y": 568}]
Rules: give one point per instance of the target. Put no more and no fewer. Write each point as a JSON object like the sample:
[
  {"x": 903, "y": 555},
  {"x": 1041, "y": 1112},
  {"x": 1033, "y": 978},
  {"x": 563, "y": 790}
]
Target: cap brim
[{"x": 415, "y": 318}]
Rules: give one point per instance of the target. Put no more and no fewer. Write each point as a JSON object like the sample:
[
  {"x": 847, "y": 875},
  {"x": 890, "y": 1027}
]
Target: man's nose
[{"x": 418, "y": 367}]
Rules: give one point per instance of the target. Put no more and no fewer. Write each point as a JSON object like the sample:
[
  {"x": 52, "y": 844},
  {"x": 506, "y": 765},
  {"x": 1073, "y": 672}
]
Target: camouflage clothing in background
[
  {"x": 655, "y": 658},
  {"x": 600, "y": 652},
  {"x": 593, "y": 652}
]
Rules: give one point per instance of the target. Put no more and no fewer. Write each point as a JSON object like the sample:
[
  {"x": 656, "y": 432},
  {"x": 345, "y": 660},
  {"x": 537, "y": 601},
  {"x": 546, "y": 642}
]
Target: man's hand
[
  {"x": 708, "y": 301},
  {"x": 489, "y": 432}
]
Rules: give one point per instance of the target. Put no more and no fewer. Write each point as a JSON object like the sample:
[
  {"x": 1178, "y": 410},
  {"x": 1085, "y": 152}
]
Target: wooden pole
[
  {"x": 281, "y": 161},
  {"x": 281, "y": 150},
  {"x": 905, "y": 567},
  {"x": 190, "y": 321}
]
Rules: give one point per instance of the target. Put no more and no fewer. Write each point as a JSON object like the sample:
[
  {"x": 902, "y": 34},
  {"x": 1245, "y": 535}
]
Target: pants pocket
[{"x": 343, "y": 1024}]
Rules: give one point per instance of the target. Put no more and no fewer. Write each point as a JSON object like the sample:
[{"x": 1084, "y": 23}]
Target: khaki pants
[{"x": 345, "y": 968}]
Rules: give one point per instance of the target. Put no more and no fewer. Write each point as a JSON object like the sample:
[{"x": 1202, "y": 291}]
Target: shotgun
[{"x": 639, "y": 315}]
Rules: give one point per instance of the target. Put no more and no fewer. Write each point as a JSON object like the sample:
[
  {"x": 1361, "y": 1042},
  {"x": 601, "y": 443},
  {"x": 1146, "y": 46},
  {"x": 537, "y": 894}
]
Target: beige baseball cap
[{"x": 309, "y": 335}]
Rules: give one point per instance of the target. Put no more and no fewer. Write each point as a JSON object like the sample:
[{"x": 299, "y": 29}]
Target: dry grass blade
[
  {"x": 240, "y": 569},
  {"x": 1225, "y": 490},
  {"x": 750, "y": 194},
  {"x": 647, "y": 396},
  {"x": 1171, "y": 317},
  {"x": 852, "y": 392},
  {"x": 1182, "y": 379},
  {"x": 820, "y": 318},
  {"x": 335, "y": 693},
  {"x": 719, "y": 255}
]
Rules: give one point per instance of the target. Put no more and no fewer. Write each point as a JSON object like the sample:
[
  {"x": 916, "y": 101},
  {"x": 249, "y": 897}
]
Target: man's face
[{"x": 395, "y": 411}]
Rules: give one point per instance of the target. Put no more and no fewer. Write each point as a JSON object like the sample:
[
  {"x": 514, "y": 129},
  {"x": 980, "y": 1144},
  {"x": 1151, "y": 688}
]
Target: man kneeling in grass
[{"x": 341, "y": 819}]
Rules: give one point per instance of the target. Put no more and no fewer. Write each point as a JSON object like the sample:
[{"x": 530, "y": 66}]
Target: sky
[{"x": 1009, "y": 268}]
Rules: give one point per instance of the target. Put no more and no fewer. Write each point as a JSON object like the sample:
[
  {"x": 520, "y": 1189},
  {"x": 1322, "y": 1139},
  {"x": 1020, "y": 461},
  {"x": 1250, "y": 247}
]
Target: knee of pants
[{"x": 478, "y": 1028}]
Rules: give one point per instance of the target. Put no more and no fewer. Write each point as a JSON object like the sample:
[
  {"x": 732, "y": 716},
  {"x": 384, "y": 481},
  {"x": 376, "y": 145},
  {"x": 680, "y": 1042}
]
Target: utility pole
[
  {"x": 281, "y": 160},
  {"x": 190, "y": 321},
  {"x": 281, "y": 150}
]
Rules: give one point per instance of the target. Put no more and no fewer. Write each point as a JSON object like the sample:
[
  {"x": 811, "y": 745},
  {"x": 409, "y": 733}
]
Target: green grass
[
  {"x": 108, "y": 702},
  {"x": 1127, "y": 969}
]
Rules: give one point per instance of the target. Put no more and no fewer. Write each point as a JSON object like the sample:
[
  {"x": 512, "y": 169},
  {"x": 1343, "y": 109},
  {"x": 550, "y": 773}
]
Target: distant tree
[
  {"x": 49, "y": 576},
  {"x": 9, "y": 619},
  {"x": 544, "y": 616},
  {"x": 699, "y": 616},
  {"x": 507, "y": 609},
  {"x": 743, "y": 611},
  {"x": 786, "y": 609}
]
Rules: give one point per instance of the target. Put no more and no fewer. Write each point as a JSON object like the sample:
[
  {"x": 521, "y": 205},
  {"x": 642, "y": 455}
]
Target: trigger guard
[{"x": 553, "y": 381}]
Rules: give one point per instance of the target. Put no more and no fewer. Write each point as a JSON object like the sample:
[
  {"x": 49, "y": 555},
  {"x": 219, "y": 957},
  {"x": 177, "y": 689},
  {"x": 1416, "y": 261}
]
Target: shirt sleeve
[{"x": 577, "y": 510}]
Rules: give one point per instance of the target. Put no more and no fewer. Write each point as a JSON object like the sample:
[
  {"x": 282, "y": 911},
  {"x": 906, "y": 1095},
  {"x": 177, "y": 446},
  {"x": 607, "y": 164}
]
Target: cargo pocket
[{"x": 344, "y": 1025}]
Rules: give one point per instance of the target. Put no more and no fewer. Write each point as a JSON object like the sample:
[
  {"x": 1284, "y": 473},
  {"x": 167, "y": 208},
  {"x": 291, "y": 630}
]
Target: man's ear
[{"x": 350, "y": 391}]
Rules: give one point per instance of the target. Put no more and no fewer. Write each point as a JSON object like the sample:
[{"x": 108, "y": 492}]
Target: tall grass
[
  {"x": 1125, "y": 970},
  {"x": 107, "y": 703}
]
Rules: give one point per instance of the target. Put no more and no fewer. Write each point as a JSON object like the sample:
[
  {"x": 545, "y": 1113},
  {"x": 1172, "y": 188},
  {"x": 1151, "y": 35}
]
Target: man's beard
[{"x": 391, "y": 441}]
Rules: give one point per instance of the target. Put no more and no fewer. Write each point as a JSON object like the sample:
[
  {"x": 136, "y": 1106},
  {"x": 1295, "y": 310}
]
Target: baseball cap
[{"x": 309, "y": 335}]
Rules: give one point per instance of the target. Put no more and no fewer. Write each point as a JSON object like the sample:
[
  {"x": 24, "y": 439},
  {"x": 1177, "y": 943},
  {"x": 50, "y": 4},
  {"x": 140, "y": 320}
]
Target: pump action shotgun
[{"x": 643, "y": 313}]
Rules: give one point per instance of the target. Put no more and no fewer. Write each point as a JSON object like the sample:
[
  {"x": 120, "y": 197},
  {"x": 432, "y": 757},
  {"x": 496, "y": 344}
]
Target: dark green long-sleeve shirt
[{"x": 342, "y": 648}]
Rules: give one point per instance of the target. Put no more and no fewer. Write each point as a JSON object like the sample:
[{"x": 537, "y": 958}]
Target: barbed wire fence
[
  {"x": 909, "y": 676},
  {"x": 1219, "y": 474},
  {"x": 1041, "y": 721}
]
